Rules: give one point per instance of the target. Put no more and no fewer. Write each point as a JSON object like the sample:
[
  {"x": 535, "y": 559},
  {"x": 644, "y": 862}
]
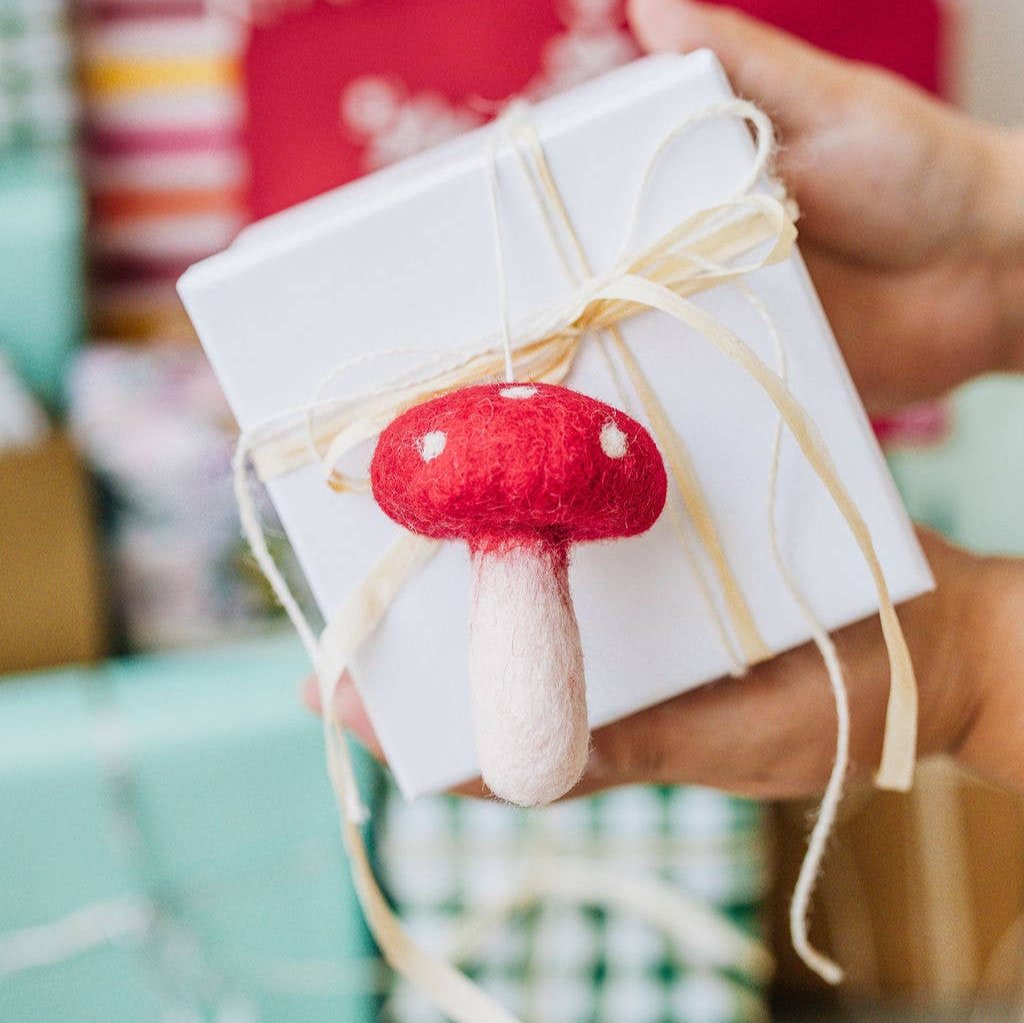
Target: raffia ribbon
[{"x": 716, "y": 246}]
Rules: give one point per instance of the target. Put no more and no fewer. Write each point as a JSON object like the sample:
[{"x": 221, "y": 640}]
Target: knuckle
[{"x": 629, "y": 751}]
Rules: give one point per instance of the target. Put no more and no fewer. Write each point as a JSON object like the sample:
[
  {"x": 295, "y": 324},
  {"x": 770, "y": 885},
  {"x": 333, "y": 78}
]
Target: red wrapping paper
[{"x": 337, "y": 89}]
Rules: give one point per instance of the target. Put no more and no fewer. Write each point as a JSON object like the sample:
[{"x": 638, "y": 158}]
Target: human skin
[{"x": 912, "y": 225}]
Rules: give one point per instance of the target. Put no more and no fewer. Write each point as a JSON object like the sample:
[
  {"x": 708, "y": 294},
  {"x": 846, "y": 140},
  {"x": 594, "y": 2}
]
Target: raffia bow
[{"x": 719, "y": 245}]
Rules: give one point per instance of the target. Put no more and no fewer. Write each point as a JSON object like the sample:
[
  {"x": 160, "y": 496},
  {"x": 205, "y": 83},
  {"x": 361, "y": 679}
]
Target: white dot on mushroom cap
[
  {"x": 518, "y": 391},
  {"x": 432, "y": 444},
  {"x": 613, "y": 440}
]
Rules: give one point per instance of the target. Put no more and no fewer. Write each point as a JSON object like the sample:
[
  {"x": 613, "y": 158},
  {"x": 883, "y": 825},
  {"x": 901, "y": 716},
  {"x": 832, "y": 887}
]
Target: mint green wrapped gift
[
  {"x": 971, "y": 486},
  {"x": 170, "y": 847},
  {"x": 41, "y": 268}
]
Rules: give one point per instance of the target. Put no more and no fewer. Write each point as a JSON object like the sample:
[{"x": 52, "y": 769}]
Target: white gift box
[{"x": 406, "y": 259}]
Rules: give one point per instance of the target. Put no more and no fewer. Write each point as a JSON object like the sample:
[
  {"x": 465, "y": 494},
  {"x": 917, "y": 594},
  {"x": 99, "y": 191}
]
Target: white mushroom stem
[{"x": 526, "y": 678}]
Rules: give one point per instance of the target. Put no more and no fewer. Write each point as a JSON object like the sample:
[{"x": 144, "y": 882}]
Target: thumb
[
  {"x": 348, "y": 710},
  {"x": 794, "y": 82}
]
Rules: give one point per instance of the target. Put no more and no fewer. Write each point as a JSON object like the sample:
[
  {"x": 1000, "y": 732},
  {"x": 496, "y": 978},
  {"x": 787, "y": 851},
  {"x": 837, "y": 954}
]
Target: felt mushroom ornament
[{"x": 520, "y": 472}]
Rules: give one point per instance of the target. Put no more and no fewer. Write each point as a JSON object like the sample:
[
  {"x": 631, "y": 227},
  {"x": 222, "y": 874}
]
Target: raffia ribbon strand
[{"x": 899, "y": 750}]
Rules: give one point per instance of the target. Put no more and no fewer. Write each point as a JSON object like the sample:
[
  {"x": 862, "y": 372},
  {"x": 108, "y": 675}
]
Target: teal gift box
[
  {"x": 170, "y": 847},
  {"x": 41, "y": 268},
  {"x": 971, "y": 486}
]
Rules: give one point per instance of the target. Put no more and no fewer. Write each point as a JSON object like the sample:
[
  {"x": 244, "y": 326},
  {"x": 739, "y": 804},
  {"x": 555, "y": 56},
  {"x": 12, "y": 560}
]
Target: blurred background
[{"x": 168, "y": 842}]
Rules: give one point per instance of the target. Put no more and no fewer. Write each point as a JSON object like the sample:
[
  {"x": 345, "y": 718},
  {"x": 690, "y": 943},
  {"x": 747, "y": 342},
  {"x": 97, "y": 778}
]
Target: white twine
[
  {"x": 799, "y": 908},
  {"x": 764, "y": 136},
  {"x": 499, "y": 262}
]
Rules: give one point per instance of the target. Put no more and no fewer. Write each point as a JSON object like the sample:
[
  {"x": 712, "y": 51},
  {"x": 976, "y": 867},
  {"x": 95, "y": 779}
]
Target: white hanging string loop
[
  {"x": 764, "y": 140},
  {"x": 499, "y": 261}
]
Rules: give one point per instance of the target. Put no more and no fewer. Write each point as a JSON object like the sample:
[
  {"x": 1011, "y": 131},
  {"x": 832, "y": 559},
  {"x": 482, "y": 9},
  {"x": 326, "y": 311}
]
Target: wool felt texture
[
  {"x": 527, "y": 688},
  {"x": 521, "y": 471},
  {"x": 518, "y": 462}
]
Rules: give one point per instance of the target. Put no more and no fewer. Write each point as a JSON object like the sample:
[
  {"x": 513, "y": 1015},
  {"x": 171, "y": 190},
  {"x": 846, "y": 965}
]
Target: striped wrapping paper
[
  {"x": 166, "y": 164},
  {"x": 446, "y": 859},
  {"x": 38, "y": 108}
]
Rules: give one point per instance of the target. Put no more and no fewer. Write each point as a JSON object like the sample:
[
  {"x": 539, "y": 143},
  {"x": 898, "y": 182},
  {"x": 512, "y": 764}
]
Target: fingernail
[
  {"x": 350, "y": 712},
  {"x": 347, "y": 704},
  {"x": 310, "y": 694},
  {"x": 665, "y": 25}
]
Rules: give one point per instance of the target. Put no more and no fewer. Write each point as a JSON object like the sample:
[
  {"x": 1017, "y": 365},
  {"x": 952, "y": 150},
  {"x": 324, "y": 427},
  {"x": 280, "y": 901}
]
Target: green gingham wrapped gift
[
  {"x": 37, "y": 66},
  {"x": 449, "y": 861}
]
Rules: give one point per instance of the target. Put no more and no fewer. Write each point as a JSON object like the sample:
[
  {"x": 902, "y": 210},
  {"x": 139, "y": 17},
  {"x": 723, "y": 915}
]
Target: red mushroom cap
[{"x": 500, "y": 463}]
